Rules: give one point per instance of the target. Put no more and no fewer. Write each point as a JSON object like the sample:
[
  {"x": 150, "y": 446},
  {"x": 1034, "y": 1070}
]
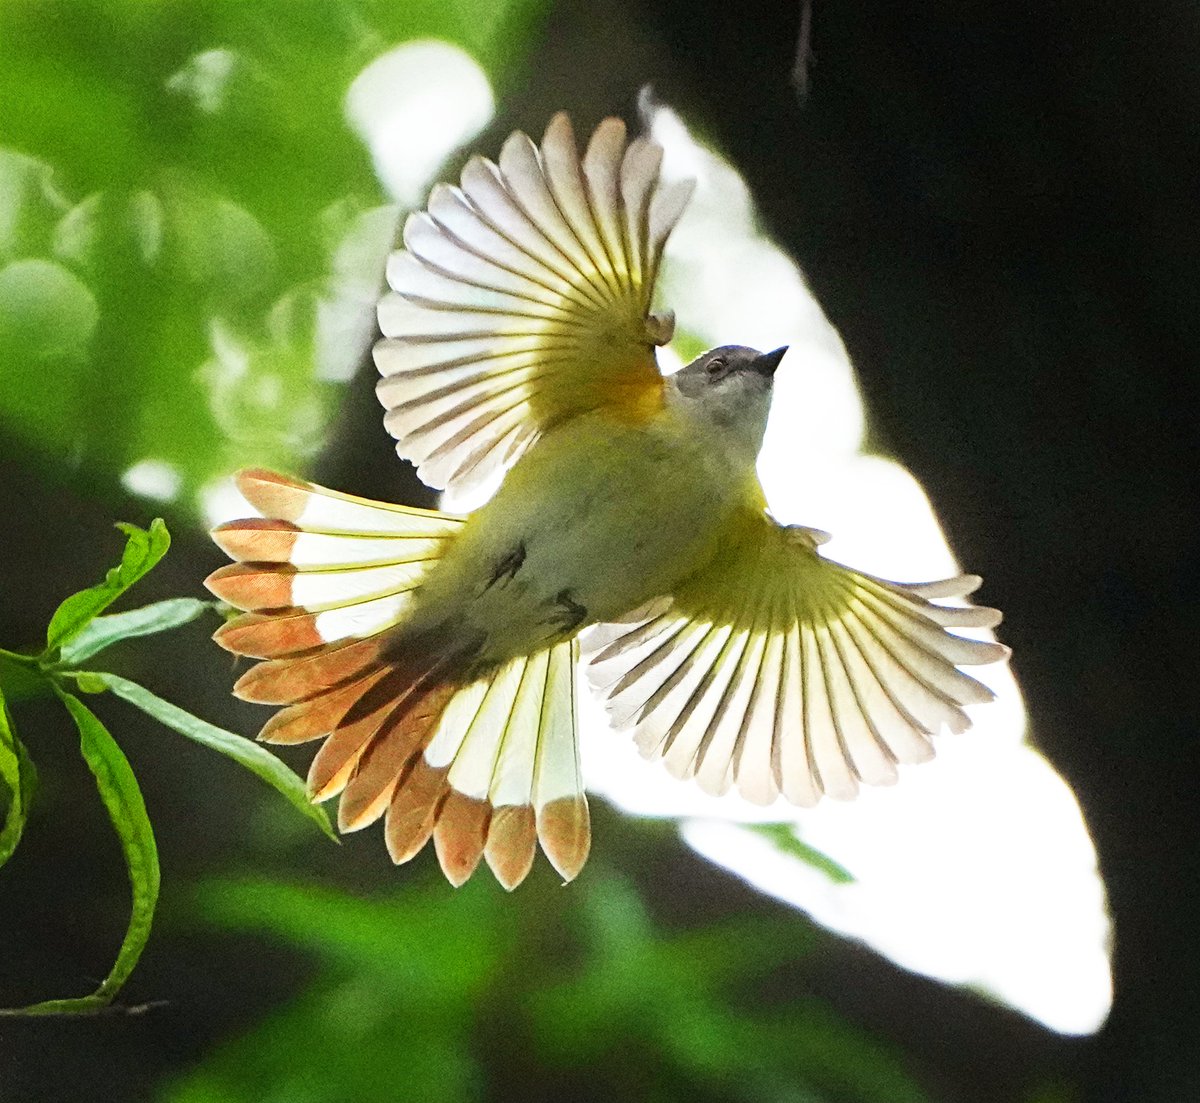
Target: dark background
[{"x": 995, "y": 205}]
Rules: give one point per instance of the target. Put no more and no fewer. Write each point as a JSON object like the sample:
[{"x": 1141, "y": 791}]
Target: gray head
[{"x": 728, "y": 391}]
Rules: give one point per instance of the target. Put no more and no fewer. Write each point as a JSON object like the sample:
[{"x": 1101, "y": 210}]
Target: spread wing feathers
[
  {"x": 487, "y": 767},
  {"x": 319, "y": 567},
  {"x": 523, "y": 298},
  {"x": 779, "y": 671},
  {"x": 504, "y": 757}
]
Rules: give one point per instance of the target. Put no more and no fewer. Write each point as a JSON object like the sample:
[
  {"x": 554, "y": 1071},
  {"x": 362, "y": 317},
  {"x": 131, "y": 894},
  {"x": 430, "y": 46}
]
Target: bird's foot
[
  {"x": 506, "y": 568},
  {"x": 568, "y": 613}
]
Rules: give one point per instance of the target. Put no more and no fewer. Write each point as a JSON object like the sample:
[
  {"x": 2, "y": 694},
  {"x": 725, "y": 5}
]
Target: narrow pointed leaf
[
  {"x": 100, "y": 632},
  {"x": 119, "y": 790},
  {"x": 255, "y": 757},
  {"x": 143, "y": 549},
  {"x": 19, "y": 778},
  {"x": 786, "y": 841}
]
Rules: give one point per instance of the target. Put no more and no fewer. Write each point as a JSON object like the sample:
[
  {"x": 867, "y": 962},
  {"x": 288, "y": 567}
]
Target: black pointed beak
[{"x": 766, "y": 364}]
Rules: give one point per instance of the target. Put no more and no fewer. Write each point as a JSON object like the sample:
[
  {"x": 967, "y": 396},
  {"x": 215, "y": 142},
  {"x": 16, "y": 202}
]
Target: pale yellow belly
[{"x": 594, "y": 521}]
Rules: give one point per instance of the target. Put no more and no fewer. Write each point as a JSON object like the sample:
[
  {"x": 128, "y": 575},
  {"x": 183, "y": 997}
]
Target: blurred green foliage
[
  {"x": 784, "y": 838},
  {"x": 183, "y": 207},
  {"x": 191, "y": 241},
  {"x": 444, "y": 995}
]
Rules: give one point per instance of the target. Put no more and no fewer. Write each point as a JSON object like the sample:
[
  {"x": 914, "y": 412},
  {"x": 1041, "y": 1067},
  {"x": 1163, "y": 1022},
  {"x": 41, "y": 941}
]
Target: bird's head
[{"x": 728, "y": 390}]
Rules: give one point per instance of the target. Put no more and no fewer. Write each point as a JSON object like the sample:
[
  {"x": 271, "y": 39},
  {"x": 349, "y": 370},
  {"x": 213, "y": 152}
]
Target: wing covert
[
  {"x": 778, "y": 671},
  {"x": 523, "y": 298}
]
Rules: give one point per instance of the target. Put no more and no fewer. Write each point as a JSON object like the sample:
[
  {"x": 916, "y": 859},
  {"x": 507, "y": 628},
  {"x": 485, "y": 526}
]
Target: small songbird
[{"x": 436, "y": 654}]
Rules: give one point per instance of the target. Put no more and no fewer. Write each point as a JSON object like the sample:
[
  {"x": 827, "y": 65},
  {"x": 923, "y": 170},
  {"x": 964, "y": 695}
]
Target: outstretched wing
[
  {"x": 779, "y": 671},
  {"x": 486, "y": 766},
  {"x": 522, "y": 298}
]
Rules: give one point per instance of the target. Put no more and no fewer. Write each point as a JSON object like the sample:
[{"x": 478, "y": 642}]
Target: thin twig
[
  {"x": 804, "y": 54},
  {"x": 108, "y": 1010}
]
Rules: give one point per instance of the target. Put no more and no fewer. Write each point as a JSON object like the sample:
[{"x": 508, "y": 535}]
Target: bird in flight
[{"x": 435, "y": 655}]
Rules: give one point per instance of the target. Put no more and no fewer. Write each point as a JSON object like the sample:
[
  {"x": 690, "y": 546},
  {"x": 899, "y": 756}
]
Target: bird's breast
[{"x": 595, "y": 520}]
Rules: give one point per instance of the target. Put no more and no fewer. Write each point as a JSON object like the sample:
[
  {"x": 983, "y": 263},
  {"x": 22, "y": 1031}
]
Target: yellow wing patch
[
  {"x": 779, "y": 671},
  {"x": 522, "y": 299}
]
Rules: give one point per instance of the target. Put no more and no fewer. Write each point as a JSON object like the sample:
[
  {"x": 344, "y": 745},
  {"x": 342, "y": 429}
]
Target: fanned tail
[{"x": 486, "y": 765}]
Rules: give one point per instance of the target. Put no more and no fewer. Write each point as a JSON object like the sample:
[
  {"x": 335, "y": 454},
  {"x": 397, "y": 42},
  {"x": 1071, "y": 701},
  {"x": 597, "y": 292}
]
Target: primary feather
[
  {"x": 523, "y": 299},
  {"x": 779, "y": 671}
]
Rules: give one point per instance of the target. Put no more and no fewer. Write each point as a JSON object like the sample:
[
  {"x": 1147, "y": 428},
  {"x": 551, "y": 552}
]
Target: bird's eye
[{"x": 716, "y": 367}]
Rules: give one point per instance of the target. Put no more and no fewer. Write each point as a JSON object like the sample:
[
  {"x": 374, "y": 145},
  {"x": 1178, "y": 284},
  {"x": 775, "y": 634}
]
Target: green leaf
[
  {"x": 119, "y": 790},
  {"x": 20, "y": 778},
  {"x": 785, "y": 839},
  {"x": 161, "y": 616},
  {"x": 87, "y": 681},
  {"x": 256, "y": 758},
  {"x": 143, "y": 549},
  {"x": 364, "y": 989},
  {"x": 21, "y": 677}
]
